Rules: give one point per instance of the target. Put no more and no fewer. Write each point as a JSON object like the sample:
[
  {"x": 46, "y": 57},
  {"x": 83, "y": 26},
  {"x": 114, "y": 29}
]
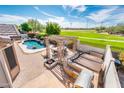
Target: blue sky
[{"x": 78, "y": 16}]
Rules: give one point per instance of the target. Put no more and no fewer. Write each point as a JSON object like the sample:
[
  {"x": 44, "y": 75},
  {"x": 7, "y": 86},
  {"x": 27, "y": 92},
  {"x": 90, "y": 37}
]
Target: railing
[{"x": 111, "y": 79}]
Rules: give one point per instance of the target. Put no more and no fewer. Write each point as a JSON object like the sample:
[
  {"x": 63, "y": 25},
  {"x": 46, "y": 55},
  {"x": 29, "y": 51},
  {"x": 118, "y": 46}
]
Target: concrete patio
[{"x": 32, "y": 71}]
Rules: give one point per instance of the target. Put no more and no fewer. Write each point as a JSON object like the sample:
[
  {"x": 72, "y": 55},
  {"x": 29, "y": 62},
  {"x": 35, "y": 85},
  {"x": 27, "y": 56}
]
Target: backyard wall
[
  {"x": 111, "y": 79},
  {"x": 5, "y": 79}
]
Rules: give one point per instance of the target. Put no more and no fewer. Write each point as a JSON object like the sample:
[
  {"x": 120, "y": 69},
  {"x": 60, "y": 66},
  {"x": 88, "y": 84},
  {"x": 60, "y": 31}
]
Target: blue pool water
[{"x": 33, "y": 44}]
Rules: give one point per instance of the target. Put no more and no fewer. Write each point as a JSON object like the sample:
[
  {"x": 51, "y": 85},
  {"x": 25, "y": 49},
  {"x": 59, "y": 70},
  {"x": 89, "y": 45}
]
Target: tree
[
  {"x": 36, "y": 25},
  {"x": 26, "y": 27},
  {"x": 119, "y": 28},
  {"x": 110, "y": 29},
  {"x": 100, "y": 29},
  {"x": 97, "y": 29},
  {"x": 53, "y": 28}
]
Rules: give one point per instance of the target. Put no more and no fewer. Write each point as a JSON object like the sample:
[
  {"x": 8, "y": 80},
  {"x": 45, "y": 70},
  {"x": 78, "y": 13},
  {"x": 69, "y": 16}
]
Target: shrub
[
  {"x": 40, "y": 36},
  {"x": 53, "y": 28},
  {"x": 26, "y": 27}
]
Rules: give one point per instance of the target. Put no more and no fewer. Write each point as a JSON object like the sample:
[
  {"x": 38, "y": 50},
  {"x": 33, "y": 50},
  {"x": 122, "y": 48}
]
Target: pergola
[{"x": 61, "y": 41}]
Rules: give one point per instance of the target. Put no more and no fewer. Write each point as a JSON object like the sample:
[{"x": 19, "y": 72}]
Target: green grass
[{"x": 116, "y": 46}]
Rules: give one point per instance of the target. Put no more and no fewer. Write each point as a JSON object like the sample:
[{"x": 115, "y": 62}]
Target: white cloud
[
  {"x": 102, "y": 15},
  {"x": 45, "y": 13},
  {"x": 37, "y": 8},
  {"x": 71, "y": 8},
  {"x": 13, "y": 19},
  {"x": 118, "y": 18},
  {"x": 51, "y": 18},
  {"x": 57, "y": 20},
  {"x": 74, "y": 24},
  {"x": 64, "y": 7},
  {"x": 61, "y": 20},
  {"x": 79, "y": 8},
  {"x": 42, "y": 12}
]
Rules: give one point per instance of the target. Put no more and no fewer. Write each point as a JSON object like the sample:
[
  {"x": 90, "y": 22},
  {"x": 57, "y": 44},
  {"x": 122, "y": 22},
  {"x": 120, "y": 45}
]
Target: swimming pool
[{"x": 33, "y": 44}]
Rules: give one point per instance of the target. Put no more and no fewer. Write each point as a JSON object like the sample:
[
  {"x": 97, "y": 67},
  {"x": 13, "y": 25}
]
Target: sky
[{"x": 72, "y": 16}]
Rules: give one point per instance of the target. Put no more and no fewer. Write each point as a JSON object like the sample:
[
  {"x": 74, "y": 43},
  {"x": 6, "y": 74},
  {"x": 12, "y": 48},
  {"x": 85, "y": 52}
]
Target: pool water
[{"x": 33, "y": 44}]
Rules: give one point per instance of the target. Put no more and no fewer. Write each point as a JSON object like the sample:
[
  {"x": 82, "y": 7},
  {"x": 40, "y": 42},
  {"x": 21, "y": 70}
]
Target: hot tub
[{"x": 32, "y": 46}]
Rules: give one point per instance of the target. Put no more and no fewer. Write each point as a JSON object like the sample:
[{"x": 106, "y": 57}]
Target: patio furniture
[
  {"x": 50, "y": 63},
  {"x": 79, "y": 68},
  {"x": 70, "y": 75},
  {"x": 78, "y": 77},
  {"x": 70, "y": 72},
  {"x": 84, "y": 79}
]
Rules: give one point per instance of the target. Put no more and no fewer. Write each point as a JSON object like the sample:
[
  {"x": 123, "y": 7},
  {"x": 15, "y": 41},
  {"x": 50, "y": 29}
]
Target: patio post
[{"x": 47, "y": 47}]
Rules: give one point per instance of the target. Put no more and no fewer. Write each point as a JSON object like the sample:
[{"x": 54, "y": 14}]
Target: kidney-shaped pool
[{"x": 32, "y": 46}]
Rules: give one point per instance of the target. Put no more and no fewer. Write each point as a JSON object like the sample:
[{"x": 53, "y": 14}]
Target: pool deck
[{"x": 33, "y": 74}]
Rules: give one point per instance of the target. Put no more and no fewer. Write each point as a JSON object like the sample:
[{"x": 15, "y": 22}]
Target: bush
[
  {"x": 53, "y": 28},
  {"x": 26, "y": 27},
  {"x": 40, "y": 36}
]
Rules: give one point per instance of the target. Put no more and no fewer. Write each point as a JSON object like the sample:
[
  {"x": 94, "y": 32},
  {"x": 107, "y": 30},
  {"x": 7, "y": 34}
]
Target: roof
[{"x": 8, "y": 30}]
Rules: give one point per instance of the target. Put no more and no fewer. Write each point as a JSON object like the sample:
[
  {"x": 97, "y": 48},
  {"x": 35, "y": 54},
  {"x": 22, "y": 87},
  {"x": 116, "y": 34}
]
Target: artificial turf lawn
[{"x": 116, "y": 46}]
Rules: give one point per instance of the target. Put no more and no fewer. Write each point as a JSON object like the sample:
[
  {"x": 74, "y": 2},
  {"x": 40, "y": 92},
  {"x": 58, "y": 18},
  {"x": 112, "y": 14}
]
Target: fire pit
[{"x": 50, "y": 63}]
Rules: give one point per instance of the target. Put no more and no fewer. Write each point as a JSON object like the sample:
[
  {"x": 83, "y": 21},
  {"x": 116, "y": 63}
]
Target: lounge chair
[
  {"x": 84, "y": 79},
  {"x": 80, "y": 78}
]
